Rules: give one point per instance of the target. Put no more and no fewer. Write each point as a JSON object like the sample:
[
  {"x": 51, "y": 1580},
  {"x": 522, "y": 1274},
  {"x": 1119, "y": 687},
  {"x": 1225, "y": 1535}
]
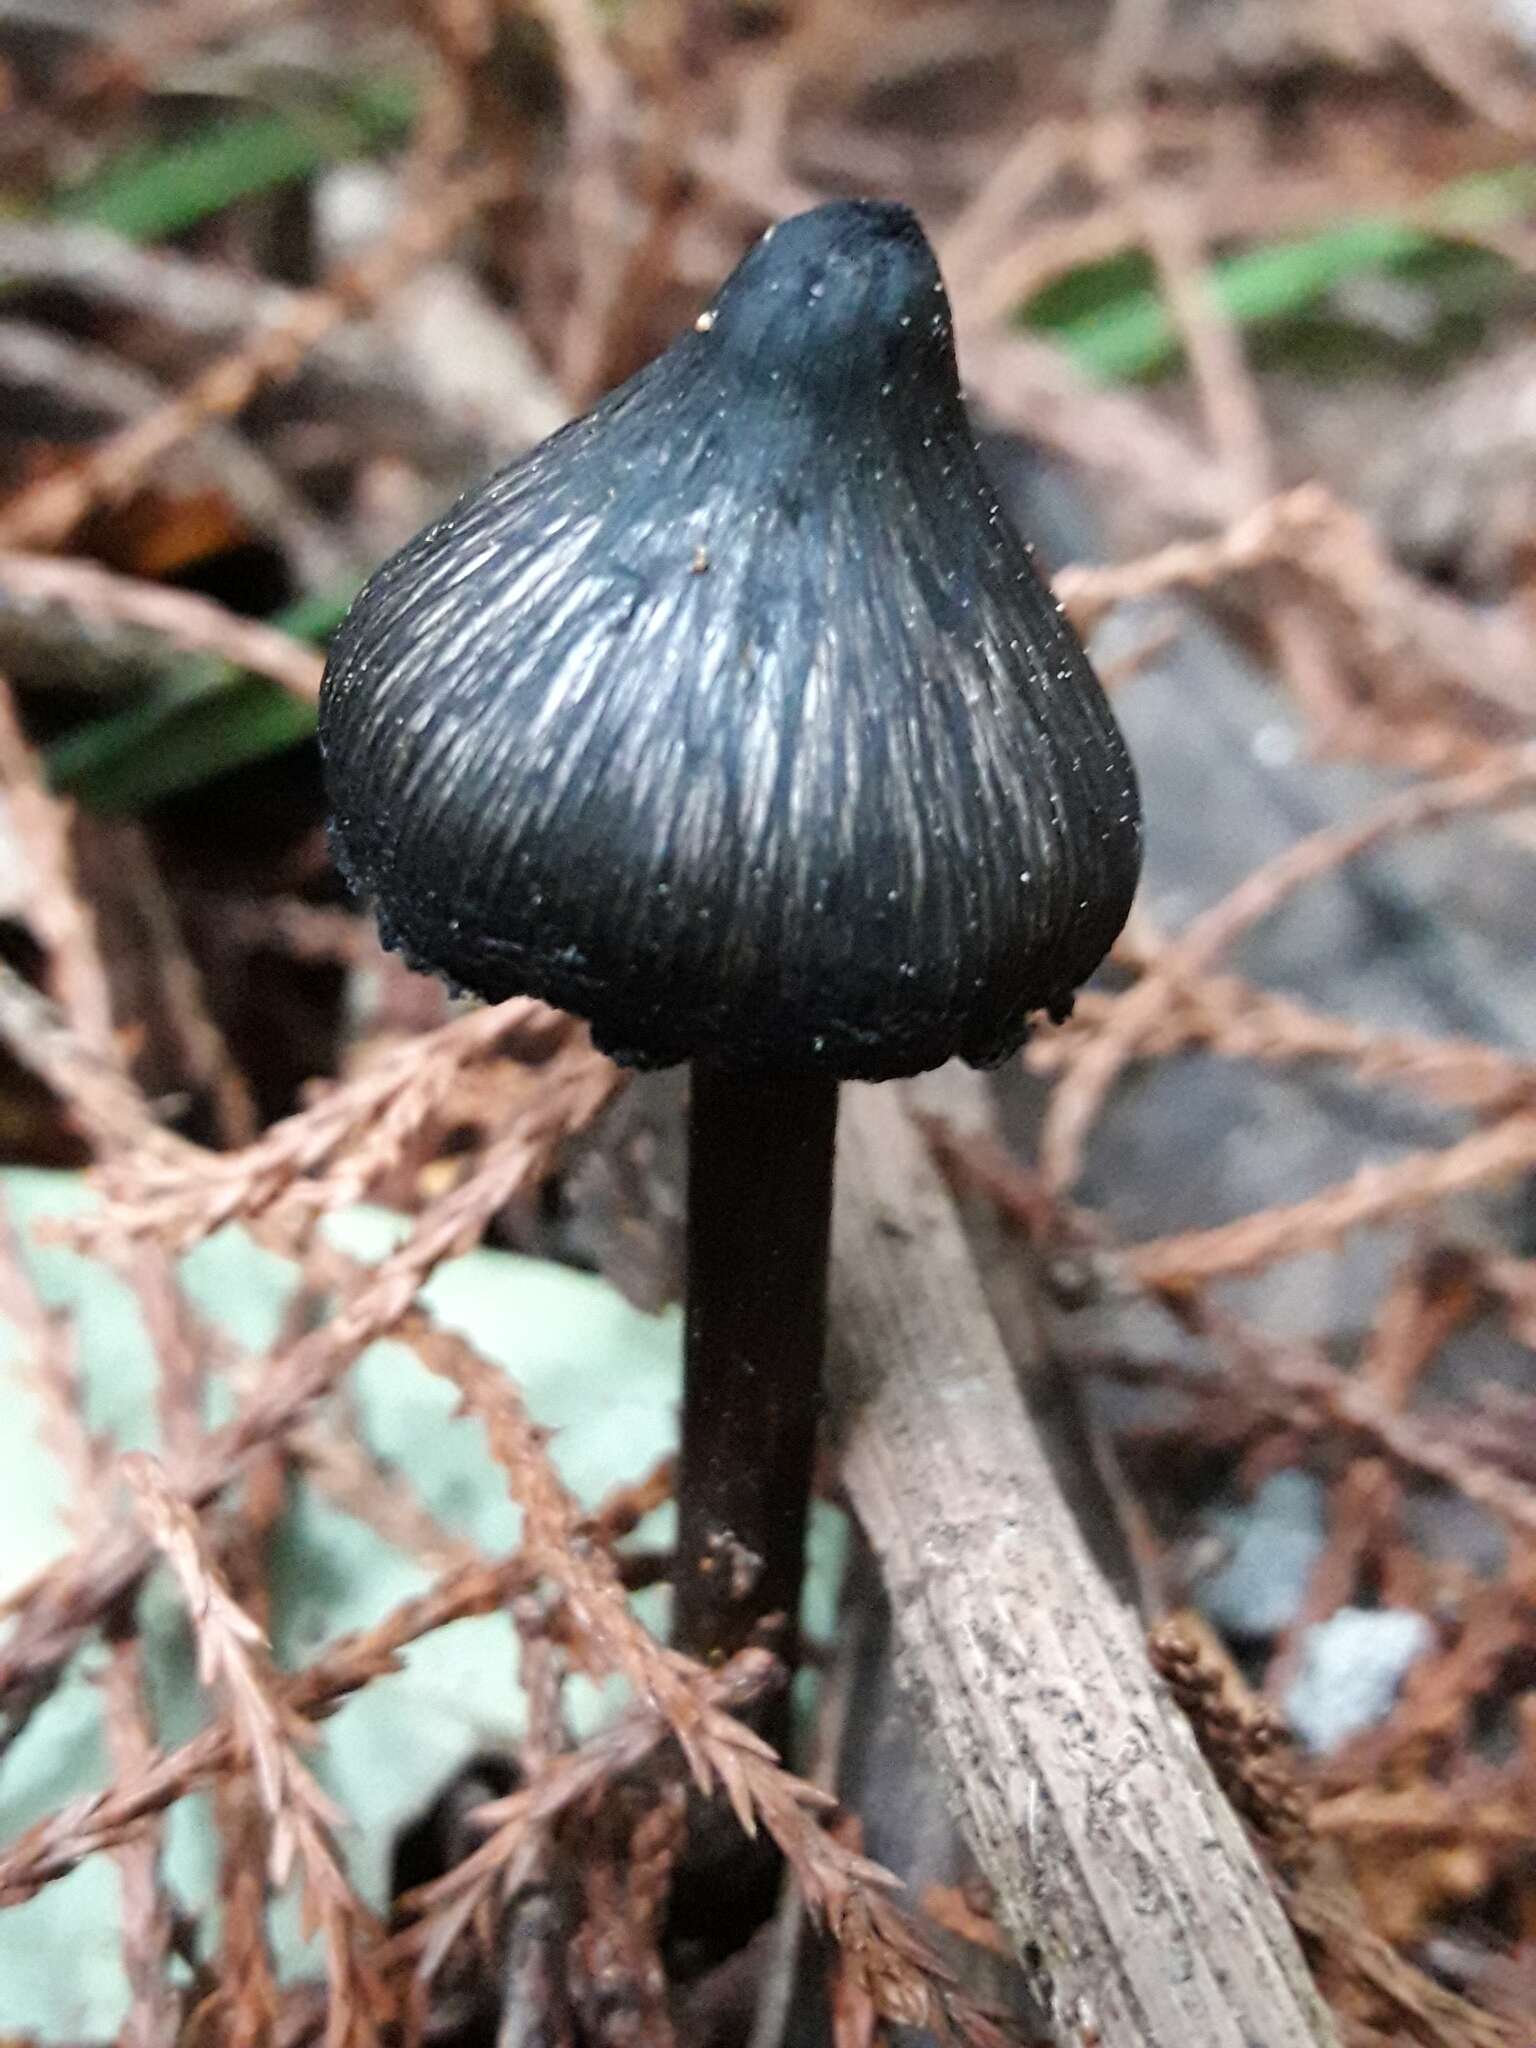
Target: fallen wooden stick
[{"x": 1136, "y": 1904}]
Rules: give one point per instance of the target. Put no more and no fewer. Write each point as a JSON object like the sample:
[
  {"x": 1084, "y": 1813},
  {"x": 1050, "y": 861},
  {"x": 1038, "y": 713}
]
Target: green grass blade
[
  {"x": 181, "y": 746},
  {"x": 1134, "y": 336},
  {"x": 154, "y": 192},
  {"x": 210, "y": 718}
]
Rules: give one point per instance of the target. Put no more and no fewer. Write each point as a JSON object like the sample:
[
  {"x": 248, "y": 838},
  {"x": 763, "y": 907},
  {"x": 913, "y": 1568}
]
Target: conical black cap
[{"x": 734, "y": 717}]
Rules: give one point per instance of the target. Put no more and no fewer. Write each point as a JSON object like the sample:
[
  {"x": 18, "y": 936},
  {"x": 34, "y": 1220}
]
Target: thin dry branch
[
  {"x": 1229, "y": 399},
  {"x": 153, "y": 2013},
  {"x": 334, "y": 1456},
  {"x": 330, "y": 1154},
  {"x": 56, "y": 911},
  {"x": 1027, "y": 387},
  {"x": 46, "y": 513},
  {"x": 109, "y": 1109},
  {"x": 1294, "y": 1387},
  {"x": 125, "y": 49},
  {"x": 51, "y": 1370},
  {"x": 1289, "y": 1384},
  {"x": 195, "y": 624},
  {"x": 1239, "y": 1021},
  {"x": 234, "y": 1662},
  {"x": 1304, "y": 1385},
  {"x": 1508, "y": 779},
  {"x": 1372, "y": 1196},
  {"x": 74, "y": 1049},
  {"x": 92, "y": 382},
  {"x": 1117, "y": 1868},
  {"x": 55, "y": 1845},
  {"x": 1279, "y": 530},
  {"x": 1244, "y": 1741},
  {"x": 166, "y": 963},
  {"x": 72, "y": 1594},
  {"x": 1245, "y": 1744},
  {"x": 846, "y": 1893},
  {"x": 609, "y": 1635},
  {"x": 248, "y": 1995},
  {"x": 518, "y": 1823},
  {"x": 184, "y": 309},
  {"x": 67, "y": 927},
  {"x": 1428, "y": 644}
]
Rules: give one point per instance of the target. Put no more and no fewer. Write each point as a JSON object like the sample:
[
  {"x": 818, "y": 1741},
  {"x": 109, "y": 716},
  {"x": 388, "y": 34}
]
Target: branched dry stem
[
  {"x": 54, "y": 1846},
  {"x": 233, "y": 1661},
  {"x": 1510, "y": 778},
  {"x": 194, "y": 624},
  {"x": 845, "y": 1892},
  {"x": 47, "y": 513},
  {"x": 331, "y": 1154},
  {"x": 71, "y": 1595}
]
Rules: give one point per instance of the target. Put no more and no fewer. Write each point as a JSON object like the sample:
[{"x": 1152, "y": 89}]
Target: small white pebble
[
  {"x": 1275, "y": 745},
  {"x": 1351, "y": 1668}
]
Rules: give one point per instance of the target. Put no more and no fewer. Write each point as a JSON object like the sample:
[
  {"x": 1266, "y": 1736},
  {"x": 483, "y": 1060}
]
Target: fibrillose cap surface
[{"x": 735, "y": 717}]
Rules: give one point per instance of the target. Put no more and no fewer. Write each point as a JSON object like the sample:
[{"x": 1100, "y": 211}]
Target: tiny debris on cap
[{"x": 852, "y": 802}]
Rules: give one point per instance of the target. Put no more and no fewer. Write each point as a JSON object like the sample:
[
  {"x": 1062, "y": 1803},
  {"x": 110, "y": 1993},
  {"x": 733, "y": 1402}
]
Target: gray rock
[
  {"x": 1352, "y": 1666},
  {"x": 1520, "y": 19},
  {"x": 1272, "y": 1543}
]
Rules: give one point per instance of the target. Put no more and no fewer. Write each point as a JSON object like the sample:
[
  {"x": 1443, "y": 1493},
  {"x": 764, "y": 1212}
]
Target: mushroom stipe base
[{"x": 760, "y": 1158}]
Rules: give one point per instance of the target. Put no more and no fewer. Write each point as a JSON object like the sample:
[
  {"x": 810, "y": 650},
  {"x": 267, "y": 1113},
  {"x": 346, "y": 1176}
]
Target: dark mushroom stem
[{"x": 760, "y": 1150}]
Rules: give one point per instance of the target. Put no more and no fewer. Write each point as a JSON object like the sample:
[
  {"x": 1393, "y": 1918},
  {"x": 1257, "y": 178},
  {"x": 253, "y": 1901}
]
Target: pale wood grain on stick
[{"x": 1121, "y": 1874}]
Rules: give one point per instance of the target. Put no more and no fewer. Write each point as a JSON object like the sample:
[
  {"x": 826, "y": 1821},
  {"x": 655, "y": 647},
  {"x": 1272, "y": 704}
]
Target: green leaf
[
  {"x": 600, "y": 1374},
  {"x": 171, "y": 744},
  {"x": 170, "y": 187},
  {"x": 208, "y": 718},
  {"x": 1117, "y": 336}
]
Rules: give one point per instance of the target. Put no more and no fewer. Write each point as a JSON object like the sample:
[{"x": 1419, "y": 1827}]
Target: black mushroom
[{"x": 736, "y": 719}]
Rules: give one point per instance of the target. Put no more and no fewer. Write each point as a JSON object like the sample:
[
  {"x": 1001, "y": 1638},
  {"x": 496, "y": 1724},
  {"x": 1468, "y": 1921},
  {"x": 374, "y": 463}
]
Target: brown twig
[
  {"x": 1246, "y": 1746},
  {"x": 233, "y": 1661},
  {"x": 53, "y": 1374},
  {"x": 333, "y": 1455},
  {"x": 1508, "y": 779},
  {"x": 842, "y": 1890},
  {"x": 109, "y": 1109},
  {"x": 1240, "y": 1021},
  {"x": 195, "y": 624},
  {"x": 54, "y": 1846},
  {"x": 249, "y": 1999},
  {"x": 1243, "y": 1739},
  {"x": 45, "y": 514},
  {"x": 1372, "y": 1196},
  {"x": 73, "y": 1593},
  {"x": 166, "y": 965},
  {"x": 153, "y": 2010},
  {"x": 1300, "y": 1378},
  {"x": 56, "y": 911},
  {"x": 330, "y": 1154}
]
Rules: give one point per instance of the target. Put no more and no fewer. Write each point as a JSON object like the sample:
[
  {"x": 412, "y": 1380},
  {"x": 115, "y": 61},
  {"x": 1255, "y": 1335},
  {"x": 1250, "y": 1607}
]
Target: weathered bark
[{"x": 1138, "y": 1907}]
